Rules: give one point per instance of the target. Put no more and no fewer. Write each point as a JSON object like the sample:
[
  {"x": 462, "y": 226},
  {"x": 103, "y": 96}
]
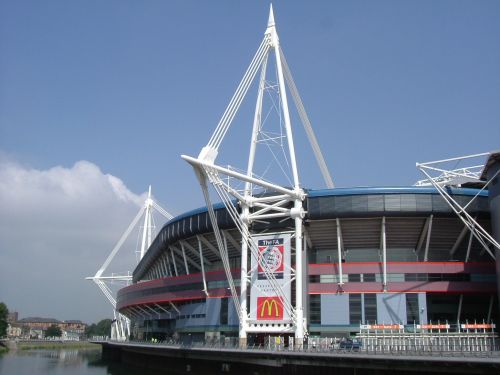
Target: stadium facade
[
  {"x": 405, "y": 258},
  {"x": 279, "y": 260}
]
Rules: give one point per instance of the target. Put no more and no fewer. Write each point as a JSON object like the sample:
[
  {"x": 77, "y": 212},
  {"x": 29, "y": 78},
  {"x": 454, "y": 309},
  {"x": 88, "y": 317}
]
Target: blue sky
[{"x": 131, "y": 85}]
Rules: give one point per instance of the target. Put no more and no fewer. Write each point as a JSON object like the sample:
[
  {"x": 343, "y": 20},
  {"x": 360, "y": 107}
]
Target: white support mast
[
  {"x": 440, "y": 177},
  {"x": 121, "y": 326},
  {"x": 148, "y": 224},
  {"x": 278, "y": 202}
]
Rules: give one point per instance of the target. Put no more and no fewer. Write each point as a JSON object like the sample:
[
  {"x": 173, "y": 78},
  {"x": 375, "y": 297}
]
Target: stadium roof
[
  {"x": 493, "y": 158},
  {"x": 344, "y": 203}
]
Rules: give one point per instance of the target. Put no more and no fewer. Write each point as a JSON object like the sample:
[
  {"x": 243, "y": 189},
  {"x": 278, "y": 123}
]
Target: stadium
[
  {"x": 434, "y": 269},
  {"x": 276, "y": 260}
]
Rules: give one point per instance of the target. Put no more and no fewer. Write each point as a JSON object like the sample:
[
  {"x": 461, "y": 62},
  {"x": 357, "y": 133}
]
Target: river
[{"x": 63, "y": 362}]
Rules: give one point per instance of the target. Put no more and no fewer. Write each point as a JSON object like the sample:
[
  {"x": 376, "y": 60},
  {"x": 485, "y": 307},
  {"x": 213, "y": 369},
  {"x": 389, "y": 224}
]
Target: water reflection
[{"x": 63, "y": 362}]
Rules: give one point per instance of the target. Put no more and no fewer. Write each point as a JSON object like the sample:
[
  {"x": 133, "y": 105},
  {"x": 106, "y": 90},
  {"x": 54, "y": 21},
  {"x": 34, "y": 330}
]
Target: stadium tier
[{"x": 387, "y": 256}]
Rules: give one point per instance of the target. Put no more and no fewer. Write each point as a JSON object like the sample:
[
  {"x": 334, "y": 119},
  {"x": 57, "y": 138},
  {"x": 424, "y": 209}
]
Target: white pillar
[
  {"x": 146, "y": 231},
  {"x": 184, "y": 257},
  {"x": 384, "y": 255},
  {"x": 173, "y": 260},
  {"x": 339, "y": 248},
  {"x": 200, "y": 247},
  {"x": 299, "y": 308},
  {"x": 427, "y": 243},
  {"x": 245, "y": 211},
  {"x": 286, "y": 113},
  {"x": 243, "y": 288},
  {"x": 459, "y": 311}
]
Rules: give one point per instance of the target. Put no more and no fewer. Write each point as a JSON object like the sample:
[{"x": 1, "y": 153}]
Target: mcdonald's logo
[{"x": 269, "y": 308}]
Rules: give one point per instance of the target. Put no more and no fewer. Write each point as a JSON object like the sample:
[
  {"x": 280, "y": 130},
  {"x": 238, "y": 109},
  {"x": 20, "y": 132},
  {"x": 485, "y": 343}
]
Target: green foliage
[
  {"x": 103, "y": 328},
  {"x": 4, "y": 312},
  {"x": 53, "y": 331},
  {"x": 56, "y": 345}
]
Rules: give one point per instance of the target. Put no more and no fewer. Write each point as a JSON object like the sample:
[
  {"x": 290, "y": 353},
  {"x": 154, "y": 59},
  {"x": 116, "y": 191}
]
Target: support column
[
  {"x": 459, "y": 311},
  {"x": 243, "y": 287},
  {"x": 490, "y": 308},
  {"x": 173, "y": 260},
  {"x": 146, "y": 233},
  {"x": 384, "y": 255},
  {"x": 245, "y": 210},
  {"x": 469, "y": 245},
  {"x": 200, "y": 247},
  {"x": 299, "y": 271},
  {"x": 168, "y": 263},
  {"x": 428, "y": 241},
  {"x": 340, "y": 249},
  {"x": 164, "y": 259},
  {"x": 184, "y": 257}
]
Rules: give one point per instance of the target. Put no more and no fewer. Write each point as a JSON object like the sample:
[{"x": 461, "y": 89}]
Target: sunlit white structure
[
  {"x": 274, "y": 261},
  {"x": 260, "y": 199},
  {"x": 120, "y": 329},
  {"x": 439, "y": 175}
]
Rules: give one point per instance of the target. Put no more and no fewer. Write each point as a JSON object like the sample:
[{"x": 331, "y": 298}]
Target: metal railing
[{"x": 400, "y": 347}]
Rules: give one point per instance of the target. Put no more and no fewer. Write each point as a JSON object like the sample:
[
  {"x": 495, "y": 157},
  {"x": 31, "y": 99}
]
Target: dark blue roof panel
[{"x": 363, "y": 190}]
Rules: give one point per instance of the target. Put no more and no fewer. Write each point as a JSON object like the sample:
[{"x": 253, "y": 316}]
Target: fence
[{"x": 475, "y": 339}]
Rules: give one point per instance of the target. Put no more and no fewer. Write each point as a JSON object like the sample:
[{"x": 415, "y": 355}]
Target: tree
[
  {"x": 90, "y": 330},
  {"x": 4, "y": 313},
  {"x": 53, "y": 331},
  {"x": 103, "y": 328}
]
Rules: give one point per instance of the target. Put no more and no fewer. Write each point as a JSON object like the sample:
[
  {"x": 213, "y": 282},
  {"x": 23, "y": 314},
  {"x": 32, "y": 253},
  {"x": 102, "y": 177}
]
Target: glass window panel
[
  {"x": 370, "y": 308},
  {"x": 369, "y": 277},
  {"x": 354, "y": 308},
  {"x": 315, "y": 308},
  {"x": 412, "y": 310},
  {"x": 354, "y": 277}
]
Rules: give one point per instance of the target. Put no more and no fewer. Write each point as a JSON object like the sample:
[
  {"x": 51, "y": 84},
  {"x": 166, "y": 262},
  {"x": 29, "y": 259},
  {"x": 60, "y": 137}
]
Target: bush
[
  {"x": 4, "y": 313},
  {"x": 53, "y": 331}
]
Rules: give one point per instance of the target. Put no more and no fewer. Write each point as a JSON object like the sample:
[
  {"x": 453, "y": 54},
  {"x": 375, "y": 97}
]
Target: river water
[{"x": 63, "y": 362}]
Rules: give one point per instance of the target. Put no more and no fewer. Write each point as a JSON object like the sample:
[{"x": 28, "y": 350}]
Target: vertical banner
[{"x": 274, "y": 253}]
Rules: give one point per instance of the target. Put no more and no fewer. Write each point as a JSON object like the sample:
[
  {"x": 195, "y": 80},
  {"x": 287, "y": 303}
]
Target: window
[
  {"x": 415, "y": 277},
  {"x": 435, "y": 277},
  {"x": 314, "y": 278},
  {"x": 370, "y": 308},
  {"x": 368, "y": 277},
  {"x": 483, "y": 278},
  {"x": 412, "y": 315},
  {"x": 332, "y": 278},
  {"x": 396, "y": 277},
  {"x": 223, "y": 310},
  {"x": 355, "y": 277},
  {"x": 328, "y": 278},
  {"x": 315, "y": 308},
  {"x": 354, "y": 308}
]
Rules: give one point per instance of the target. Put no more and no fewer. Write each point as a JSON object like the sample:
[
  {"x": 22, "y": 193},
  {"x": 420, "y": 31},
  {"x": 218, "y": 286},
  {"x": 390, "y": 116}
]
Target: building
[
  {"x": 12, "y": 317},
  {"x": 34, "y": 327},
  {"x": 433, "y": 268},
  {"x": 281, "y": 260},
  {"x": 14, "y": 330}
]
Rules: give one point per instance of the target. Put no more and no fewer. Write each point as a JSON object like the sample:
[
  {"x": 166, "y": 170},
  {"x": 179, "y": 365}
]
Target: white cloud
[{"x": 56, "y": 227}]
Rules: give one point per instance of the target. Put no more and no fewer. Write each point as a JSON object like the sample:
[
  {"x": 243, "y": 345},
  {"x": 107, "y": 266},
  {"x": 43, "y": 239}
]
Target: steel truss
[
  {"x": 278, "y": 202},
  {"x": 120, "y": 328},
  {"x": 444, "y": 178}
]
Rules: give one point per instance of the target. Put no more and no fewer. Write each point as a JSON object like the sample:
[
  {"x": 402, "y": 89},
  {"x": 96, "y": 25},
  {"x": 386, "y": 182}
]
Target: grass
[
  {"x": 57, "y": 345},
  {"x": 3, "y": 349}
]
